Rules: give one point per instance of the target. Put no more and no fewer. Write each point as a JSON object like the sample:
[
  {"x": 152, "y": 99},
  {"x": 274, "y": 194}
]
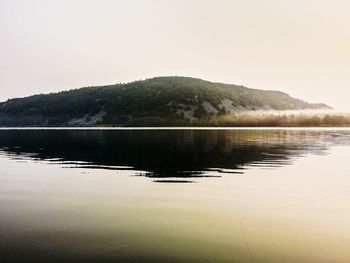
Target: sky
[{"x": 301, "y": 47}]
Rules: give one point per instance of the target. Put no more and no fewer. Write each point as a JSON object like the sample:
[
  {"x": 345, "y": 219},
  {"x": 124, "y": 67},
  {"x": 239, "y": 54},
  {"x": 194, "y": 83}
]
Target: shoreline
[{"x": 175, "y": 128}]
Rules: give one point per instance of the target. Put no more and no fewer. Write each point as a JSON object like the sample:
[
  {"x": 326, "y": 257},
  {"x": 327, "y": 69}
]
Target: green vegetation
[{"x": 162, "y": 101}]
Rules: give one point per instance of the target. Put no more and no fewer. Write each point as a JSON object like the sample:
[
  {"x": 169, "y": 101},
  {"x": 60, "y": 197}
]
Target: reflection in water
[
  {"x": 188, "y": 153},
  {"x": 201, "y": 208}
]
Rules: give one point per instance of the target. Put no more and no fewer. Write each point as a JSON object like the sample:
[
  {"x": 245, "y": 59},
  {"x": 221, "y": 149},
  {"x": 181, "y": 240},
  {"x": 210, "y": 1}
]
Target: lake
[{"x": 175, "y": 195}]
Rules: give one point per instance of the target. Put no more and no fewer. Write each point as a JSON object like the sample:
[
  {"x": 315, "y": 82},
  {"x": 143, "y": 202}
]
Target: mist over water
[{"x": 319, "y": 112}]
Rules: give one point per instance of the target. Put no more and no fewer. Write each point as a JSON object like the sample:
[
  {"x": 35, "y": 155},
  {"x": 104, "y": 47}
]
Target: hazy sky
[{"x": 298, "y": 46}]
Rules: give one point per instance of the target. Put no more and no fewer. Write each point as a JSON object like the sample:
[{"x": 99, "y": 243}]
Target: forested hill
[{"x": 157, "y": 101}]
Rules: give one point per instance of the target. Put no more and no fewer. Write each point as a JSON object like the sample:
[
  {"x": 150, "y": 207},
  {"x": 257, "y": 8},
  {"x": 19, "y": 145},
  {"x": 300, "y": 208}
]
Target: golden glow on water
[{"x": 293, "y": 213}]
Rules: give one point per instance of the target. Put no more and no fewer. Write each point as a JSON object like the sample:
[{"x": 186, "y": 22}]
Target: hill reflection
[{"x": 167, "y": 153}]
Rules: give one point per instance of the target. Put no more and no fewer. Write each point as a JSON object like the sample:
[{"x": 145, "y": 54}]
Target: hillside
[{"x": 151, "y": 102}]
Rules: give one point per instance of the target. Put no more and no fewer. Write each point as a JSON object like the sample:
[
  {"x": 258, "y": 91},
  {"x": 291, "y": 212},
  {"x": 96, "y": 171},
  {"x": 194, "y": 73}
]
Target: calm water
[{"x": 175, "y": 195}]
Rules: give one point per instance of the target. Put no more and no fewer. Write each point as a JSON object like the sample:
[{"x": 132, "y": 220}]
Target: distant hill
[{"x": 152, "y": 102}]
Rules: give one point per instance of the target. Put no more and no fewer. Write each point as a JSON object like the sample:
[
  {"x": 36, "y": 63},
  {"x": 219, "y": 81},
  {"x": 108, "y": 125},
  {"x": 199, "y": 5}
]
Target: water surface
[{"x": 249, "y": 195}]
